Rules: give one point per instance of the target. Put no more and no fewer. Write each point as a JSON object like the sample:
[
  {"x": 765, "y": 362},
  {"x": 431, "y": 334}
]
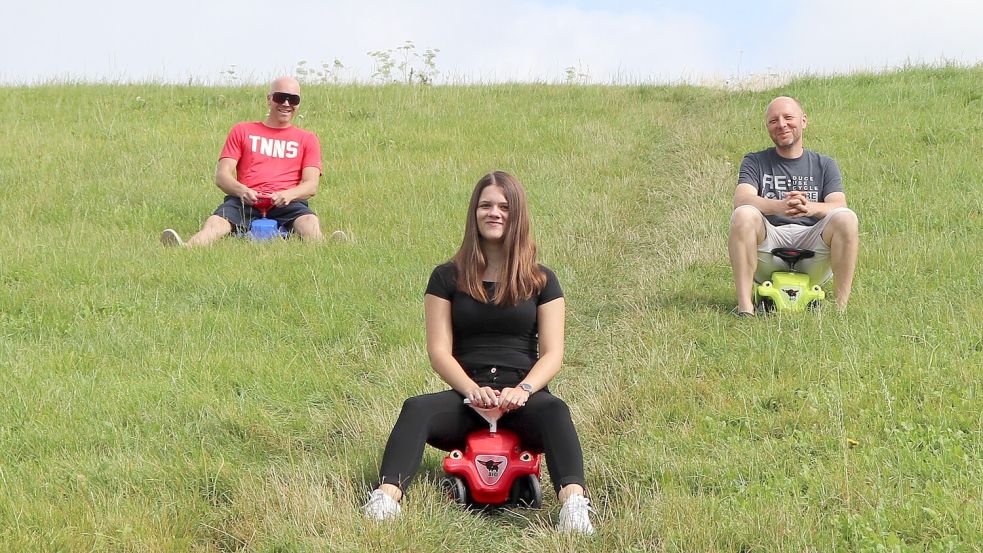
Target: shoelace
[
  {"x": 381, "y": 504},
  {"x": 578, "y": 509}
]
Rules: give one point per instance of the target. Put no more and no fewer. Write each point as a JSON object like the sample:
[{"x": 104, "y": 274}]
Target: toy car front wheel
[
  {"x": 456, "y": 489},
  {"x": 527, "y": 492}
]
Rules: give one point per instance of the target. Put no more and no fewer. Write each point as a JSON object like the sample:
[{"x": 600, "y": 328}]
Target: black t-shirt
[{"x": 487, "y": 335}]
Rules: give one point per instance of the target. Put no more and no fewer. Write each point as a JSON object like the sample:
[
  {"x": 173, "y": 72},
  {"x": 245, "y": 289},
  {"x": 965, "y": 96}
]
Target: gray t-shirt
[{"x": 774, "y": 176}]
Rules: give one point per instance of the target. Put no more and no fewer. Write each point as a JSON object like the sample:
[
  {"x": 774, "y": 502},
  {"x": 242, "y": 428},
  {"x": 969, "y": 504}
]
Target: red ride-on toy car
[{"x": 494, "y": 470}]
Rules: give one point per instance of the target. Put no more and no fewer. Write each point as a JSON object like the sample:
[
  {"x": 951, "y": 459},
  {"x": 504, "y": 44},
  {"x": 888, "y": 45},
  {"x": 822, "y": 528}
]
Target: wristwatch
[{"x": 527, "y": 387}]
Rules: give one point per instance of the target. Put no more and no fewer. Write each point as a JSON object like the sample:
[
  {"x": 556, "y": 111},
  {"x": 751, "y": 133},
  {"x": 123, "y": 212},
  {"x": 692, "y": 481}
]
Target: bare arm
[
  {"x": 440, "y": 344},
  {"x": 794, "y": 204},
  {"x": 305, "y": 189},
  {"x": 225, "y": 179},
  {"x": 551, "y": 319},
  {"x": 747, "y": 194}
]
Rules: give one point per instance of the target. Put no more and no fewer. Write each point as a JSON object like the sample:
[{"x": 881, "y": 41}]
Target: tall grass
[{"x": 238, "y": 397}]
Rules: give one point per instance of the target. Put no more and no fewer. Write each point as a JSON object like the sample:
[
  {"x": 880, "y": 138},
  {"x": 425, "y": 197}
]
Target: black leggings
[{"x": 444, "y": 421}]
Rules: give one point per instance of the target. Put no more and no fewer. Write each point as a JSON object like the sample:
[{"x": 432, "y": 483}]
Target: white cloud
[
  {"x": 478, "y": 41},
  {"x": 849, "y": 35}
]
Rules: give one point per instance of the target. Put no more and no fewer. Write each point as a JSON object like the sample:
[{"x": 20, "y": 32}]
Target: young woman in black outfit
[{"x": 495, "y": 334}]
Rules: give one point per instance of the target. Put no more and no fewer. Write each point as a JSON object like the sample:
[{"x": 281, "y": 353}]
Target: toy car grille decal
[
  {"x": 490, "y": 467},
  {"x": 792, "y": 293}
]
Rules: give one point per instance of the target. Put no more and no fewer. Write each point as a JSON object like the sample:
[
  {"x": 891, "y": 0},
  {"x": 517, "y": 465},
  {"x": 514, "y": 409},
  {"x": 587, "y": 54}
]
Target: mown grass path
[{"x": 238, "y": 397}]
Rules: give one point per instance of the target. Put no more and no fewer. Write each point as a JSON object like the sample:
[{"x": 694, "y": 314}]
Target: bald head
[
  {"x": 285, "y": 84},
  {"x": 784, "y": 104}
]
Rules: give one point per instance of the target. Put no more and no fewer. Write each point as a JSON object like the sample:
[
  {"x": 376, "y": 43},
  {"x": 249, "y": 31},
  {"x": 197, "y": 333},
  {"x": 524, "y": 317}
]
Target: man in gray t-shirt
[{"x": 790, "y": 197}]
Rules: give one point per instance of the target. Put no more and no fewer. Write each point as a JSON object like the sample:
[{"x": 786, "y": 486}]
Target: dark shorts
[{"x": 241, "y": 215}]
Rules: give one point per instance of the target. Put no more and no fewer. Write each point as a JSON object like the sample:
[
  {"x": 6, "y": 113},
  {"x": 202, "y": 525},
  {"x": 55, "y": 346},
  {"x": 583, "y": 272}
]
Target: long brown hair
[{"x": 521, "y": 277}]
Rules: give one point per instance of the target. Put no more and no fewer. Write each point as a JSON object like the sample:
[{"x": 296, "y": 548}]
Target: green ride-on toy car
[{"x": 788, "y": 290}]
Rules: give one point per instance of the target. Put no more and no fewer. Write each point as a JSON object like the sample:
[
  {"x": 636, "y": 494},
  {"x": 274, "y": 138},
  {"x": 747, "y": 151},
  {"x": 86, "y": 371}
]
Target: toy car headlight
[
  {"x": 456, "y": 454},
  {"x": 525, "y": 457}
]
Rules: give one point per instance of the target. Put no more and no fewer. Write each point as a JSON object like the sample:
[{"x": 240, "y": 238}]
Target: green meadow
[{"x": 238, "y": 397}]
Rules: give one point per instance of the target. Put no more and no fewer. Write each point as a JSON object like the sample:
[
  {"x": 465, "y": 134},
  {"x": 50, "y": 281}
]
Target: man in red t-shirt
[{"x": 271, "y": 159}]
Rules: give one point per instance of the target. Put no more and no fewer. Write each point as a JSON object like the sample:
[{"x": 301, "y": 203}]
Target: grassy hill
[{"x": 239, "y": 397}]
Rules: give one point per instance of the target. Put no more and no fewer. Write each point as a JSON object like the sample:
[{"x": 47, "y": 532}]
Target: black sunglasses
[{"x": 280, "y": 97}]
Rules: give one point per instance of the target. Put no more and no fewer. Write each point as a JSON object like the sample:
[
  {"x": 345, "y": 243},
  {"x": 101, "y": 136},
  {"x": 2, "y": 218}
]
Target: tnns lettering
[{"x": 273, "y": 148}]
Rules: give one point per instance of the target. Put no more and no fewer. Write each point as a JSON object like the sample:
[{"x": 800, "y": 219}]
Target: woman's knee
[
  {"x": 413, "y": 406},
  {"x": 427, "y": 405},
  {"x": 549, "y": 407}
]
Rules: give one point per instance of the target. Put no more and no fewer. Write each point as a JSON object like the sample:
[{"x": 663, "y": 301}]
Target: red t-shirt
[{"x": 269, "y": 159}]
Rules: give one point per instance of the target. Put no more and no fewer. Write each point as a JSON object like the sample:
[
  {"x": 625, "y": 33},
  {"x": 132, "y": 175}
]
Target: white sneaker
[
  {"x": 575, "y": 516},
  {"x": 380, "y": 506},
  {"x": 170, "y": 237}
]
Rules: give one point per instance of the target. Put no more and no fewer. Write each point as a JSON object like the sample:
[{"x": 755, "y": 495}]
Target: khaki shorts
[{"x": 795, "y": 236}]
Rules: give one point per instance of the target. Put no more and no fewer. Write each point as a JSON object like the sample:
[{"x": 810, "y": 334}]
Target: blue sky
[{"x": 507, "y": 40}]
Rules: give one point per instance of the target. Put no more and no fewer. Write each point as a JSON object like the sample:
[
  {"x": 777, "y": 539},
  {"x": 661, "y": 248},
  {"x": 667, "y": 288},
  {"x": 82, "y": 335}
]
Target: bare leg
[
  {"x": 214, "y": 228},
  {"x": 843, "y": 236},
  {"x": 308, "y": 227},
  {"x": 392, "y": 491},
  {"x": 568, "y": 490},
  {"x": 747, "y": 230}
]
